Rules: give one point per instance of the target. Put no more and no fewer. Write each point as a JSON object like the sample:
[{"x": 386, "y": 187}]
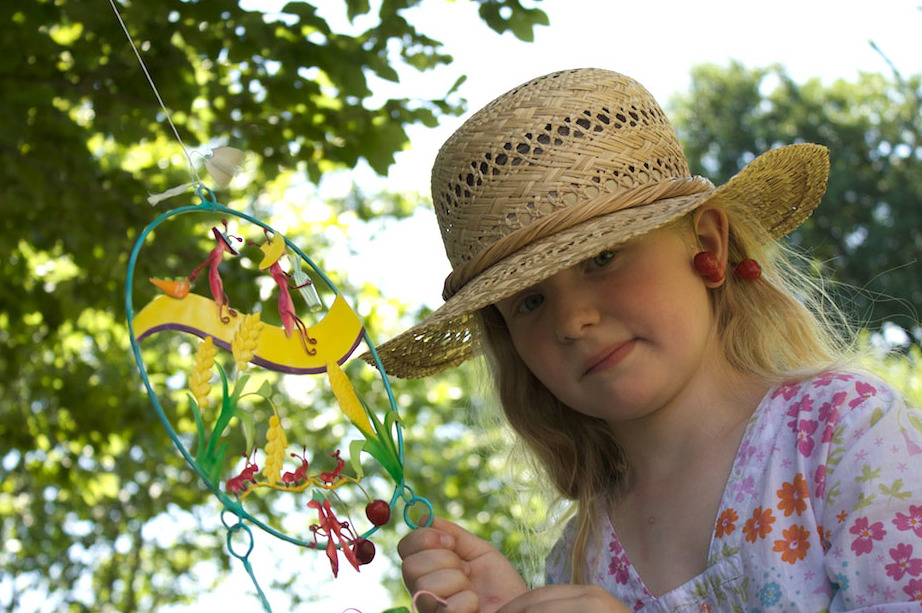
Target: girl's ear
[{"x": 712, "y": 229}]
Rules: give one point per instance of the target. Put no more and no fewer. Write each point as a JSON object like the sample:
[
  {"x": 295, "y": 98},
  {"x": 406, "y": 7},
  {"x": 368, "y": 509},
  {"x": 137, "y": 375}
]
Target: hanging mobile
[{"x": 240, "y": 367}]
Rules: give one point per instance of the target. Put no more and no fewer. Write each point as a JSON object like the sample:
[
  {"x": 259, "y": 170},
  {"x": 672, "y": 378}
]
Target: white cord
[{"x": 153, "y": 86}]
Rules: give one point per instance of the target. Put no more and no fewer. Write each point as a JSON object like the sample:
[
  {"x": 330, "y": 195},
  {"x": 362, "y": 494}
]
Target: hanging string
[{"x": 153, "y": 86}]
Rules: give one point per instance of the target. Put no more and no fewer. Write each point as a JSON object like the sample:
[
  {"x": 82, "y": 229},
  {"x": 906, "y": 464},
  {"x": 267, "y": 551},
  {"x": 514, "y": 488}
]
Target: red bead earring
[
  {"x": 748, "y": 270},
  {"x": 709, "y": 267}
]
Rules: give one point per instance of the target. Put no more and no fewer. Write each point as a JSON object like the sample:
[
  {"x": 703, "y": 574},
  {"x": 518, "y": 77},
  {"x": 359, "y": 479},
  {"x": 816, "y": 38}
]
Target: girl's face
[{"x": 623, "y": 334}]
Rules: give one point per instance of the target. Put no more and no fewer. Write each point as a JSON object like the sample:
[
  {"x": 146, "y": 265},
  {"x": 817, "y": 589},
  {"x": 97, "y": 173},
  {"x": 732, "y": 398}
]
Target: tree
[
  {"x": 869, "y": 228},
  {"x": 85, "y": 466}
]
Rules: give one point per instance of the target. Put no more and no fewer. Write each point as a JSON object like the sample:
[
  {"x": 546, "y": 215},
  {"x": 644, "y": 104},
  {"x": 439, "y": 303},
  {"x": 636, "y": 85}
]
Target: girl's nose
[{"x": 574, "y": 312}]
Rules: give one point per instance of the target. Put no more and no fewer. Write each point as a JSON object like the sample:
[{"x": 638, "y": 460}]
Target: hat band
[{"x": 567, "y": 218}]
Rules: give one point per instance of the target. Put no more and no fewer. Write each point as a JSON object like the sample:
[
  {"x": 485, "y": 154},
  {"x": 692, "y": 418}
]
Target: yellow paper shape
[
  {"x": 337, "y": 334},
  {"x": 272, "y": 251}
]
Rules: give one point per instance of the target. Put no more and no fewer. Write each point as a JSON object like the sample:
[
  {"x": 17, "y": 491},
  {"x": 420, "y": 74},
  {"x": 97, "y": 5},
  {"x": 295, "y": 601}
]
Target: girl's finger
[
  {"x": 419, "y": 569},
  {"x": 462, "y": 602},
  {"x": 427, "y": 560},
  {"x": 422, "y": 539},
  {"x": 443, "y": 583},
  {"x": 565, "y": 599}
]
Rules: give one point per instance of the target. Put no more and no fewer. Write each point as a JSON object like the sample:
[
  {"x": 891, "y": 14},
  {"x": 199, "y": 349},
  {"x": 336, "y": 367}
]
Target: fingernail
[{"x": 447, "y": 541}]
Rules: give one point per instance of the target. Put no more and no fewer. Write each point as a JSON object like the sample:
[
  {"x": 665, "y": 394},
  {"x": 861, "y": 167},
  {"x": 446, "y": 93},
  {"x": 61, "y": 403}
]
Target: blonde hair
[{"x": 783, "y": 326}]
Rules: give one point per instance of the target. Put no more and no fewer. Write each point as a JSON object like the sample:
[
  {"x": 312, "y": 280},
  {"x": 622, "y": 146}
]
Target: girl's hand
[
  {"x": 468, "y": 572},
  {"x": 566, "y": 599}
]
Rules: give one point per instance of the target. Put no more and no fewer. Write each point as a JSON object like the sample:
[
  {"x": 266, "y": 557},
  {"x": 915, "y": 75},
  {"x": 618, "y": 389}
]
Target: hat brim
[{"x": 782, "y": 186}]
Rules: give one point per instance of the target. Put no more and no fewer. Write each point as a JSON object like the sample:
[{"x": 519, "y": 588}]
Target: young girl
[{"x": 674, "y": 374}]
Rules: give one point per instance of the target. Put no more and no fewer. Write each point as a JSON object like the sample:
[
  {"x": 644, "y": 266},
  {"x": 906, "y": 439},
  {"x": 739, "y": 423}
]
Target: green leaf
[
  {"x": 355, "y": 452},
  {"x": 386, "y": 458},
  {"x": 228, "y": 410},
  {"x": 868, "y": 474},
  {"x": 217, "y": 466},
  {"x": 895, "y": 490},
  {"x": 356, "y": 8},
  {"x": 249, "y": 428},
  {"x": 199, "y": 427},
  {"x": 876, "y": 415},
  {"x": 265, "y": 390},
  {"x": 914, "y": 420},
  {"x": 239, "y": 385}
]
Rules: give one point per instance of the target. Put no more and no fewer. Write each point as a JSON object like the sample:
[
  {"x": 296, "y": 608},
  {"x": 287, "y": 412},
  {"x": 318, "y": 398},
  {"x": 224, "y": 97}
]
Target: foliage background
[{"x": 89, "y": 481}]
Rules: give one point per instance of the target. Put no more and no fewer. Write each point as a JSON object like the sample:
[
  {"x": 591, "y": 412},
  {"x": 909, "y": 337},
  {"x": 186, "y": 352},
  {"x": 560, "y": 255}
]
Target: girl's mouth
[{"x": 609, "y": 358}]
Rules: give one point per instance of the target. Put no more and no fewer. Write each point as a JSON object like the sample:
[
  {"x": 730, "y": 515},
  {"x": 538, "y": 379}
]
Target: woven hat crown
[{"x": 552, "y": 153}]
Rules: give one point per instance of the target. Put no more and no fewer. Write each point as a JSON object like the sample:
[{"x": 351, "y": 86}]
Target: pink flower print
[
  {"x": 747, "y": 450},
  {"x": 805, "y": 430},
  {"x": 745, "y": 489},
  {"x": 787, "y": 390},
  {"x": 866, "y": 535},
  {"x": 829, "y": 411},
  {"x": 615, "y": 547},
  {"x": 828, "y": 431},
  {"x": 804, "y": 405},
  {"x": 864, "y": 391},
  {"x": 913, "y": 521},
  {"x": 619, "y": 568},
  {"x": 828, "y": 377},
  {"x": 903, "y": 562},
  {"x": 819, "y": 481},
  {"x": 914, "y": 589}
]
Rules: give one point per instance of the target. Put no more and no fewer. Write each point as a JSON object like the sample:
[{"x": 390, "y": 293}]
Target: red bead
[
  {"x": 717, "y": 276},
  {"x": 749, "y": 269},
  {"x": 364, "y": 550},
  {"x": 706, "y": 263},
  {"x": 378, "y": 512}
]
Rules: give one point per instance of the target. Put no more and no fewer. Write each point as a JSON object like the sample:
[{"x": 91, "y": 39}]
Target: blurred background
[{"x": 341, "y": 106}]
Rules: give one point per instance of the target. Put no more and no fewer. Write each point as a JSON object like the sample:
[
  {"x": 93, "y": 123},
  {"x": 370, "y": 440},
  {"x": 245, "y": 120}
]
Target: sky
[{"x": 656, "y": 42}]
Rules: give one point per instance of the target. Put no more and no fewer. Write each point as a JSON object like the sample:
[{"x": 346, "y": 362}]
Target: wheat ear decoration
[
  {"x": 245, "y": 339},
  {"x": 200, "y": 381},
  {"x": 276, "y": 443}
]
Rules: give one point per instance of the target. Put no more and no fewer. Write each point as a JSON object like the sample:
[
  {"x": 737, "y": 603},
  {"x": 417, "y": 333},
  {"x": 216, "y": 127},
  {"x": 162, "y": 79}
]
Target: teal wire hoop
[
  {"x": 210, "y": 205},
  {"x": 245, "y": 556}
]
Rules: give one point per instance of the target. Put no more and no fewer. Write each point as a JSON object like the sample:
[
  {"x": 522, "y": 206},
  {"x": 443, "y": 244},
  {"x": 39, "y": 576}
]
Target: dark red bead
[
  {"x": 749, "y": 269},
  {"x": 706, "y": 263},
  {"x": 378, "y": 512},
  {"x": 364, "y": 550}
]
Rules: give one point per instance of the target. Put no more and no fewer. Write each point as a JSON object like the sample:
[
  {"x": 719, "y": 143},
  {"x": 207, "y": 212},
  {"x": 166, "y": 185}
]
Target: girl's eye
[
  {"x": 603, "y": 259},
  {"x": 530, "y": 303}
]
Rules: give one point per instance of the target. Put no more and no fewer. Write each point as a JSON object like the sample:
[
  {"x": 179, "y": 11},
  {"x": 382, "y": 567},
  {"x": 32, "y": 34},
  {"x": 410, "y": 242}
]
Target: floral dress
[{"x": 822, "y": 511}]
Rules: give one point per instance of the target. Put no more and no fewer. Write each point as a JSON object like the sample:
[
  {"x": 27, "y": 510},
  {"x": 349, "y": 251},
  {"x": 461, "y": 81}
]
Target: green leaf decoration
[
  {"x": 355, "y": 450},
  {"x": 199, "y": 427},
  {"x": 249, "y": 428},
  {"x": 386, "y": 457},
  {"x": 265, "y": 390}
]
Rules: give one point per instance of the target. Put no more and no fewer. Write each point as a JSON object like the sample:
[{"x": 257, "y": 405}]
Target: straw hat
[{"x": 558, "y": 169}]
